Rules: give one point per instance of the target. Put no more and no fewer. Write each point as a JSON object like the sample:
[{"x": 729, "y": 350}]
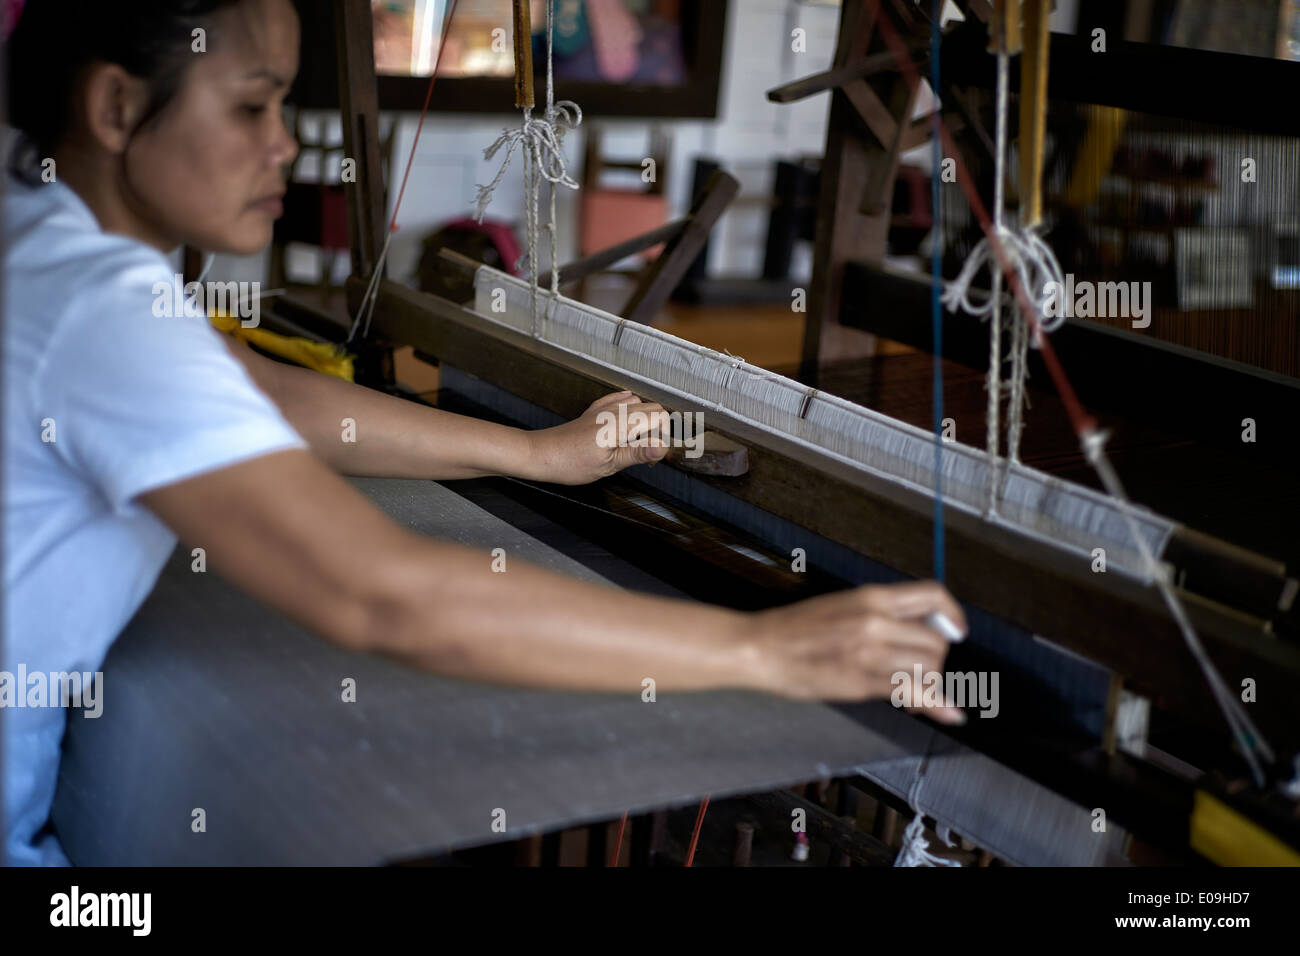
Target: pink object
[
  {"x": 502, "y": 236},
  {"x": 611, "y": 216},
  {"x": 616, "y": 37},
  {"x": 13, "y": 9}
]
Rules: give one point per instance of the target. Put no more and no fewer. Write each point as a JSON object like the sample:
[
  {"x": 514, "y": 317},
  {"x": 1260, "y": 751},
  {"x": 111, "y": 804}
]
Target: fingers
[
  {"x": 906, "y": 637},
  {"x": 639, "y": 454},
  {"x": 914, "y": 600},
  {"x": 947, "y": 714},
  {"x": 612, "y": 399},
  {"x": 649, "y": 420},
  {"x": 645, "y": 420}
]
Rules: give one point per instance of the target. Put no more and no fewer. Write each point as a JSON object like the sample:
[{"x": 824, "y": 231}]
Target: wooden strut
[
  {"x": 523, "y": 26},
  {"x": 1033, "y": 109},
  {"x": 858, "y": 171}
]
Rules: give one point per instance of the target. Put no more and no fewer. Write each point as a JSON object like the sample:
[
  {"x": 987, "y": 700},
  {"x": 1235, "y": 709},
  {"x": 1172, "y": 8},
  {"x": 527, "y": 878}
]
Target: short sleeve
[{"x": 144, "y": 394}]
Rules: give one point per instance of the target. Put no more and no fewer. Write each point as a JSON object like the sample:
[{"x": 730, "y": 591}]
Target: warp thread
[{"x": 1046, "y": 508}]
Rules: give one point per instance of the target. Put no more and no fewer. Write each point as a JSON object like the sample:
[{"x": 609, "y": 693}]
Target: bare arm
[
  {"x": 390, "y": 437},
  {"x": 291, "y": 533}
]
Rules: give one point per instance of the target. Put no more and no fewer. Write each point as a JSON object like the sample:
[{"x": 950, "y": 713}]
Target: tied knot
[
  {"x": 1029, "y": 257},
  {"x": 542, "y": 139}
]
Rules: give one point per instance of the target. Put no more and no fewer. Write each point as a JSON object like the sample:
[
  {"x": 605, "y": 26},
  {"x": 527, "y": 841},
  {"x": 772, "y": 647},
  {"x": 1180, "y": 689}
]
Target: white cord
[
  {"x": 542, "y": 141},
  {"x": 915, "y": 850}
]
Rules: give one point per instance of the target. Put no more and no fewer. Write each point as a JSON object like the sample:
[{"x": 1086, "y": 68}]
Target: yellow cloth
[{"x": 323, "y": 357}]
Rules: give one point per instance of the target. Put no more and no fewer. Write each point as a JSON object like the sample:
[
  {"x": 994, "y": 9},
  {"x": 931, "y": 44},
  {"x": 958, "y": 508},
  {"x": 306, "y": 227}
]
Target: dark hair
[{"x": 55, "y": 40}]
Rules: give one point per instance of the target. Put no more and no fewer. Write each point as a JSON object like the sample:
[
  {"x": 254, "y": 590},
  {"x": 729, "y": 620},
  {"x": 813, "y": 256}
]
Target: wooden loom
[
  {"x": 1233, "y": 595},
  {"x": 845, "y": 484}
]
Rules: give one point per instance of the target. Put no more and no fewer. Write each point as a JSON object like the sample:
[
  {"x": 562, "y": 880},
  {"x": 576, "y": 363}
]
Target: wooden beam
[
  {"x": 878, "y": 117},
  {"x": 662, "y": 276},
  {"x": 523, "y": 27},
  {"x": 1033, "y": 110},
  {"x": 588, "y": 265},
  {"x": 838, "y": 76},
  {"x": 359, "y": 109}
]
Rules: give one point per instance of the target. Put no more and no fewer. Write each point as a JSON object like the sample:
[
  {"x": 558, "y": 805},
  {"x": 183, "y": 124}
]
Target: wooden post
[
  {"x": 1033, "y": 110},
  {"x": 523, "y": 54},
  {"x": 858, "y": 169},
  {"x": 359, "y": 109}
]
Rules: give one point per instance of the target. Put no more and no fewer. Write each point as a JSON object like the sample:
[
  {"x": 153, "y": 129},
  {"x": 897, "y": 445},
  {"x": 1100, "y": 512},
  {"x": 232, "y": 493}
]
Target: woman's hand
[
  {"x": 849, "y": 645},
  {"x": 603, "y": 440}
]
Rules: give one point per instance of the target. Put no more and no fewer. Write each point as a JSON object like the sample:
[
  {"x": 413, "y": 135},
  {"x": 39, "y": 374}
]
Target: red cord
[
  {"x": 1082, "y": 422},
  {"x": 428, "y": 96},
  {"x": 695, "y": 835},
  {"x": 618, "y": 843}
]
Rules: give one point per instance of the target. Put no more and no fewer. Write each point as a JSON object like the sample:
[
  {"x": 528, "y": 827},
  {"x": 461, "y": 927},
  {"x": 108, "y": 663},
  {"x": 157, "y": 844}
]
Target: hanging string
[
  {"x": 695, "y": 833},
  {"x": 1091, "y": 438},
  {"x": 372, "y": 288},
  {"x": 1036, "y": 265},
  {"x": 618, "y": 842},
  {"x": 915, "y": 850},
  {"x": 542, "y": 144}
]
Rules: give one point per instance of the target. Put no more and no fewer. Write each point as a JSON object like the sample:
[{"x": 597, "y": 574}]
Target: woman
[{"x": 125, "y": 429}]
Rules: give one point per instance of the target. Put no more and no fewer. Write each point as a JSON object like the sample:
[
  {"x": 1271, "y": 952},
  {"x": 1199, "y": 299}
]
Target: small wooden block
[{"x": 715, "y": 455}]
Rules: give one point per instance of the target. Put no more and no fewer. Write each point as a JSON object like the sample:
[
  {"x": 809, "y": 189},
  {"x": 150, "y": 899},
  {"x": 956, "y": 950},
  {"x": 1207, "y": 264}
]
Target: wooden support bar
[
  {"x": 919, "y": 133},
  {"x": 663, "y": 275},
  {"x": 359, "y": 109},
  {"x": 588, "y": 265},
  {"x": 839, "y": 76},
  {"x": 874, "y": 113},
  {"x": 523, "y": 25},
  {"x": 1033, "y": 110},
  {"x": 877, "y": 198}
]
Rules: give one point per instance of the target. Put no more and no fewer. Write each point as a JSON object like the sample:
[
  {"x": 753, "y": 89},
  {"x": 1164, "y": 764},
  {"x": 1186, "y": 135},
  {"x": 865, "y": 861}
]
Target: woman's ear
[{"x": 113, "y": 104}]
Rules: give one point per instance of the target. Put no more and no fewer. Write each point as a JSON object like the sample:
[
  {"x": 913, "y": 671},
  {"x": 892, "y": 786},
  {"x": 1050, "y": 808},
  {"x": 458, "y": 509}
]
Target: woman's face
[{"x": 210, "y": 169}]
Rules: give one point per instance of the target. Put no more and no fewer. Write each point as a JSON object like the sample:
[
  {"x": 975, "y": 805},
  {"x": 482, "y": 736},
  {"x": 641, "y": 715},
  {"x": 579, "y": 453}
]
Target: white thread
[
  {"x": 915, "y": 850},
  {"x": 367, "y": 308},
  {"x": 1243, "y": 728},
  {"x": 1035, "y": 265},
  {"x": 542, "y": 141},
  {"x": 1032, "y": 503}
]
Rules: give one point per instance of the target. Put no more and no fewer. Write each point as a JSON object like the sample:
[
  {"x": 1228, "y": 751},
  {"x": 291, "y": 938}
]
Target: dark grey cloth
[{"x": 213, "y": 703}]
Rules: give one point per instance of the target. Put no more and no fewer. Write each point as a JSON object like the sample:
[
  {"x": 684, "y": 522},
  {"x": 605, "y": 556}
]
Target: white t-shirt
[{"x": 103, "y": 400}]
